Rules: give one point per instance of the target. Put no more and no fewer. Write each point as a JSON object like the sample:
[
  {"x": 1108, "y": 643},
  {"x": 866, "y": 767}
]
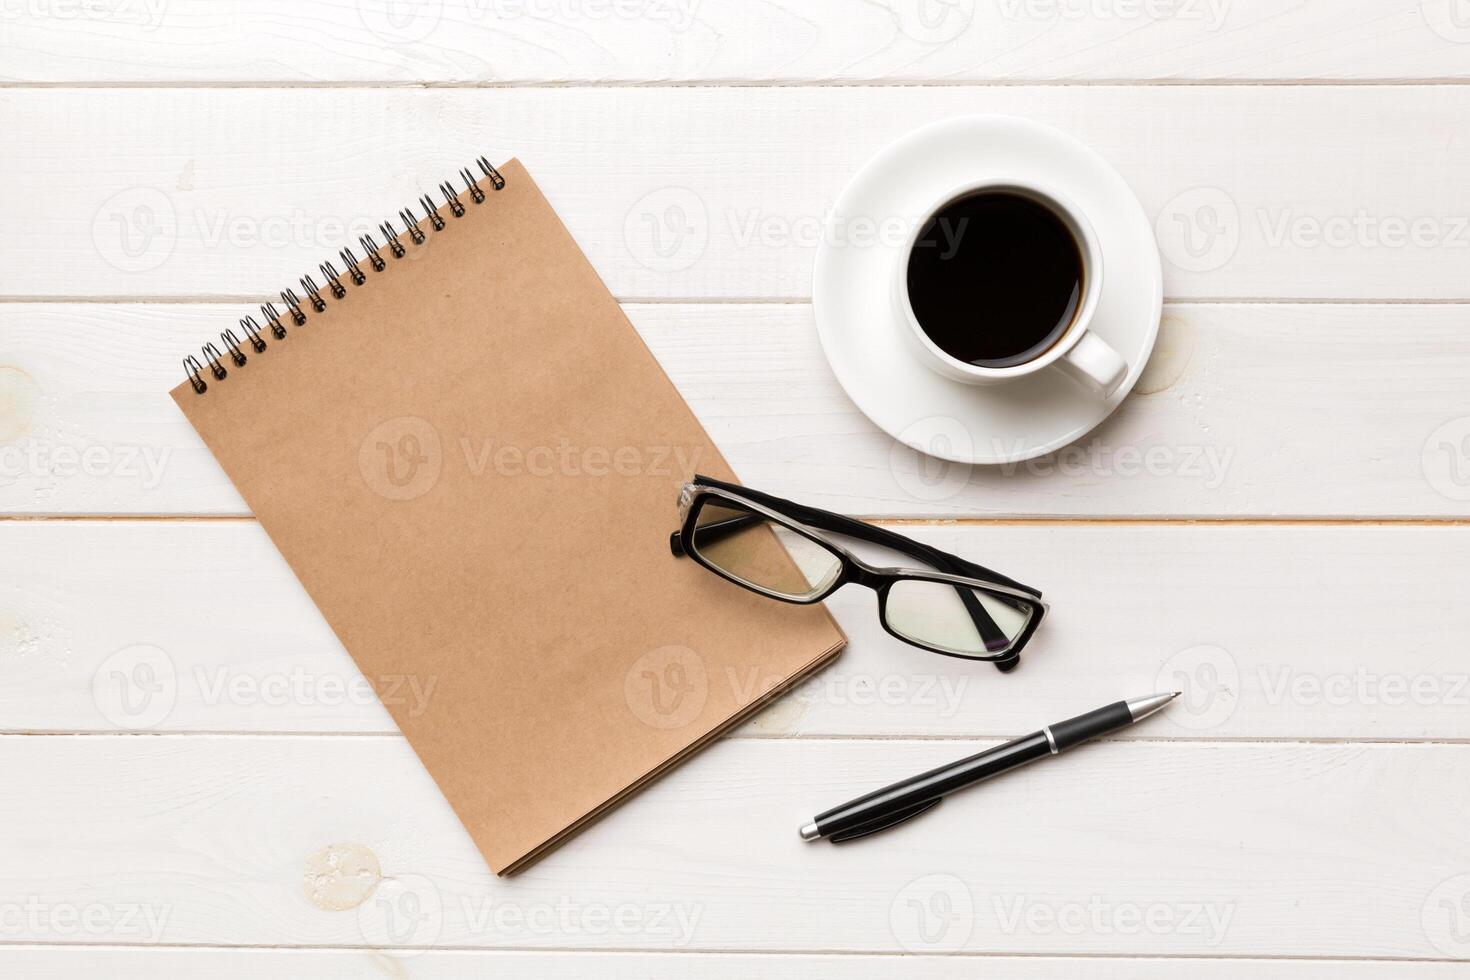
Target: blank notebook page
[{"x": 471, "y": 462}]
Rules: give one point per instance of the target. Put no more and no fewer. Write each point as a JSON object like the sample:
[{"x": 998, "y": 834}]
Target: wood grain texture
[
  {"x": 544, "y": 42},
  {"x": 1273, "y": 632},
  {"x": 52, "y": 963},
  {"x": 1184, "y": 848},
  {"x": 1245, "y": 410},
  {"x": 1301, "y": 808},
  {"x": 716, "y": 193}
]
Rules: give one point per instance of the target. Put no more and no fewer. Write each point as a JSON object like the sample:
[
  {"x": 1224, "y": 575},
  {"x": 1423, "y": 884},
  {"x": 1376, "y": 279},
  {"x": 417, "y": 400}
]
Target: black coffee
[{"x": 995, "y": 278}]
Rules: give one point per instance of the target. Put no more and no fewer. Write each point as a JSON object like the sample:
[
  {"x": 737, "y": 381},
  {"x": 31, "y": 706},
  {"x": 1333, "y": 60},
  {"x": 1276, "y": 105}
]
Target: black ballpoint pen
[{"x": 910, "y": 797}]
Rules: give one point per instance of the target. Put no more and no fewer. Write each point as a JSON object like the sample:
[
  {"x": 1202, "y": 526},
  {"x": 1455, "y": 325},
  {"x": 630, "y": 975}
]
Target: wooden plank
[
  {"x": 160, "y": 627},
  {"x": 52, "y": 963},
  {"x": 1185, "y": 849},
  {"x": 534, "y": 41},
  {"x": 1245, "y": 410},
  {"x": 682, "y": 193}
]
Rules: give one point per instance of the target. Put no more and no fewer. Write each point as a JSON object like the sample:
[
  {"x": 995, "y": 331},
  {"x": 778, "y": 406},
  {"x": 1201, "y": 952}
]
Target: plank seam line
[
  {"x": 935, "y": 521},
  {"x": 744, "y": 83},
  {"x": 42, "y": 299},
  {"x": 1216, "y": 741},
  {"x": 728, "y": 951}
]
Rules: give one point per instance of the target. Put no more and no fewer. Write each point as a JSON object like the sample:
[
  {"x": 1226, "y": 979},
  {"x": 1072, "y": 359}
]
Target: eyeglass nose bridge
[{"x": 865, "y": 574}]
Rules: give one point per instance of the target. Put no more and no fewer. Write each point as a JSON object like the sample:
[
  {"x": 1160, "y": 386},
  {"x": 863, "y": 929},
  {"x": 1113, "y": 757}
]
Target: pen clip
[{"x": 885, "y": 821}]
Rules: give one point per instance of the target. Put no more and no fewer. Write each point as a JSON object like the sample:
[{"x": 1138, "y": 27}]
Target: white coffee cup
[{"x": 1079, "y": 351}]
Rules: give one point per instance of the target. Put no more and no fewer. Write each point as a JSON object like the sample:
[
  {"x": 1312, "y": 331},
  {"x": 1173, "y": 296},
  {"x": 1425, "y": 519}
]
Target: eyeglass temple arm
[
  {"x": 828, "y": 521},
  {"x": 713, "y": 531}
]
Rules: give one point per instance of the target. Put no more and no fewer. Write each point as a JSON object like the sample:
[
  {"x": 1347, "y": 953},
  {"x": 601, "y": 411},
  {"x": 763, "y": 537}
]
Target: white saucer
[{"x": 862, "y": 335}]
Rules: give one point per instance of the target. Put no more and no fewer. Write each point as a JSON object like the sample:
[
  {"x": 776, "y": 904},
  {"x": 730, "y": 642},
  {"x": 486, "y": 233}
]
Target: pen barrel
[
  {"x": 933, "y": 784},
  {"x": 1074, "y": 731}
]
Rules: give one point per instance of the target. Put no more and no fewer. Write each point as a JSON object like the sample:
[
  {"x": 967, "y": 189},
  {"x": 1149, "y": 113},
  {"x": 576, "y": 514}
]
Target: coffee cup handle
[{"x": 1094, "y": 362}]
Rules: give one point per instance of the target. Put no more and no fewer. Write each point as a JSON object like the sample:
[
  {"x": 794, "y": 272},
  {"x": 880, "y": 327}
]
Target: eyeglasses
[{"x": 778, "y": 549}]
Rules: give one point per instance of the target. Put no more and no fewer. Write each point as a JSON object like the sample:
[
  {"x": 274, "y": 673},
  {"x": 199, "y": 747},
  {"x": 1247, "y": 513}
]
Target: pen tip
[
  {"x": 1141, "y": 708},
  {"x": 1176, "y": 694},
  {"x": 810, "y": 832}
]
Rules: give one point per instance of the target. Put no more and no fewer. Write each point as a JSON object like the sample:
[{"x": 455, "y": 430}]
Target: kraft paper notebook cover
[{"x": 471, "y": 461}]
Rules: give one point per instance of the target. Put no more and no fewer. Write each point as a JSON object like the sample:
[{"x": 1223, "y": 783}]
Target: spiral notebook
[{"x": 471, "y": 462}]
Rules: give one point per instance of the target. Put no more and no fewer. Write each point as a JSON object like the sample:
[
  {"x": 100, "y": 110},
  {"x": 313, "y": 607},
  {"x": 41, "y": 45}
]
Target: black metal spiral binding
[
  {"x": 496, "y": 181},
  {"x": 415, "y": 233},
  {"x": 194, "y": 369},
  {"x": 394, "y": 245},
  {"x": 268, "y": 310},
  {"x": 476, "y": 195},
  {"x": 293, "y": 303},
  {"x": 232, "y": 345},
  {"x": 452, "y": 199},
  {"x": 313, "y": 294},
  {"x": 429, "y": 209},
  {"x": 370, "y": 245},
  {"x": 213, "y": 357},
  {"x": 334, "y": 280},
  {"x": 252, "y": 333},
  {"x": 354, "y": 271}
]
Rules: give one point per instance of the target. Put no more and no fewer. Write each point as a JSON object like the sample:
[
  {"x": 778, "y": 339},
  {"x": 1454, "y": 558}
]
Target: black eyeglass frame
[{"x": 810, "y": 522}]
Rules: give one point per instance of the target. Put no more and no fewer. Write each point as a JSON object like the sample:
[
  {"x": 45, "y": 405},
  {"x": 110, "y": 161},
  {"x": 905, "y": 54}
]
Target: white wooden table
[{"x": 194, "y": 781}]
